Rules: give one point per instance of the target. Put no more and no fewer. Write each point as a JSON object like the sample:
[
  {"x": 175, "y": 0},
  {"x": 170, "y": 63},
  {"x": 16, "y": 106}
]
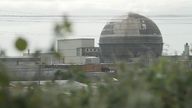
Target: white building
[{"x": 69, "y": 48}]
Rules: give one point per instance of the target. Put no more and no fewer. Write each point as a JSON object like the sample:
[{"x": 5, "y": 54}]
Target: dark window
[{"x": 17, "y": 62}]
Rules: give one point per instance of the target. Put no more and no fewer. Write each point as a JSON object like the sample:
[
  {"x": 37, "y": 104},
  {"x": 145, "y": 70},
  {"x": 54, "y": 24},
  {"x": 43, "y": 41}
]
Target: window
[
  {"x": 78, "y": 52},
  {"x": 17, "y": 62}
]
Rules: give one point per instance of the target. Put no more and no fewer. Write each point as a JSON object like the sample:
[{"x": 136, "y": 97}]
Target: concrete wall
[
  {"x": 47, "y": 58},
  {"x": 21, "y": 68},
  {"x": 30, "y": 68}
]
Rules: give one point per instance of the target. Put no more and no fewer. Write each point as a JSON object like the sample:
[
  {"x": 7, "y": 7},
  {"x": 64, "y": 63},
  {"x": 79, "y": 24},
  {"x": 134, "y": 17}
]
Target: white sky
[{"x": 40, "y": 33}]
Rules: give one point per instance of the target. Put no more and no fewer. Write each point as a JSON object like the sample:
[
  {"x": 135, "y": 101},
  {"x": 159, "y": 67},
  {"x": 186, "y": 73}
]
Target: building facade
[{"x": 77, "y": 51}]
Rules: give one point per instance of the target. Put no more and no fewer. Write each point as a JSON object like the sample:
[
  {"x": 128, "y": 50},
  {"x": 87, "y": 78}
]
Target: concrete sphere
[{"x": 131, "y": 37}]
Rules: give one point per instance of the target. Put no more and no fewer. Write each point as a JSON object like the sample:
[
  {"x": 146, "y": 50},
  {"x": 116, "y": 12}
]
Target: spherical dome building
[{"x": 131, "y": 37}]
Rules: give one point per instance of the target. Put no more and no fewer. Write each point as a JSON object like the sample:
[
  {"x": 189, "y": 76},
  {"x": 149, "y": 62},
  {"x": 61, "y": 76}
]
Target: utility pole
[{"x": 39, "y": 74}]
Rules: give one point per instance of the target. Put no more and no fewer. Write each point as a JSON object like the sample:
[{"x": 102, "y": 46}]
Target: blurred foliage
[
  {"x": 63, "y": 27},
  {"x": 162, "y": 85},
  {"x": 21, "y": 44},
  {"x": 74, "y": 73},
  {"x": 4, "y": 80}
]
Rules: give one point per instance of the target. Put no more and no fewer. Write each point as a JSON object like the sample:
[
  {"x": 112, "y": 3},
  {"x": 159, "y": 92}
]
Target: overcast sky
[{"x": 175, "y": 32}]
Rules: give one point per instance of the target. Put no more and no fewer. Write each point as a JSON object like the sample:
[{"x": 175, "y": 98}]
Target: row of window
[
  {"x": 91, "y": 49},
  {"x": 87, "y": 51}
]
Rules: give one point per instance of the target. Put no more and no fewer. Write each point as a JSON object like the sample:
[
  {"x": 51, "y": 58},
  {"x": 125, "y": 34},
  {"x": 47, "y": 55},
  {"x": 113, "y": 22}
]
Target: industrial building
[
  {"x": 124, "y": 40},
  {"x": 78, "y": 51},
  {"x": 131, "y": 37},
  {"x": 25, "y": 68}
]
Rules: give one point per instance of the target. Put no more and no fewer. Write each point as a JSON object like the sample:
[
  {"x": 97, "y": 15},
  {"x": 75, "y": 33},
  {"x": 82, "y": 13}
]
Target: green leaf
[
  {"x": 57, "y": 30},
  {"x": 21, "y": 44},
  {"x": 61, "y": 28},
  {"x": 67, "y": 26}
]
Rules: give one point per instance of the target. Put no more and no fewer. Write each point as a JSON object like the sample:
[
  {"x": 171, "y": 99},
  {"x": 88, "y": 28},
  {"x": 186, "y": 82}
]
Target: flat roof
[
  {"x": 78, "y": 39},
  {"x": 20, "y": 58}
]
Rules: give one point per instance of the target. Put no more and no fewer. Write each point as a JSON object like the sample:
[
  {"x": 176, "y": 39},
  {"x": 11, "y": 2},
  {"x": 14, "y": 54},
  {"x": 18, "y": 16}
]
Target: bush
[{"x": 162, "y": 85}]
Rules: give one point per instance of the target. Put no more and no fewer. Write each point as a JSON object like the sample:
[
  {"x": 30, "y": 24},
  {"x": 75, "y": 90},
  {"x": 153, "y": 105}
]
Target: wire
[
  {"x": 89, "y": 16},
  {"x": 27, "y": 18}
]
